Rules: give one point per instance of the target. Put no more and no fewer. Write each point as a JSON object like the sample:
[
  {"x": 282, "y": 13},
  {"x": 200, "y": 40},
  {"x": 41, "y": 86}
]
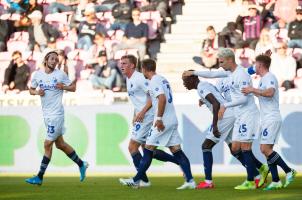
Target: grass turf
[{"x": 70, "y": 188}]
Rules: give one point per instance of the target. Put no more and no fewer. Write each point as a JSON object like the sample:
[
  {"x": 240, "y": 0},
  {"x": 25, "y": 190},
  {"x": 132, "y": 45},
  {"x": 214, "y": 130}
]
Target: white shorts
[
  {"x": 247, "y": 127},
  {"x": 54, "y": 127},
  {"x": 167, "y": 138},
  {"x": 225, "y": 127},
  {"x": 270, "y": 132},
  {"x": 140, "y": 130}
]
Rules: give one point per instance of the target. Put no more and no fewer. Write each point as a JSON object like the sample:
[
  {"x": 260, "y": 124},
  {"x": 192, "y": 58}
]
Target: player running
[{"x": 49, "y": 83}]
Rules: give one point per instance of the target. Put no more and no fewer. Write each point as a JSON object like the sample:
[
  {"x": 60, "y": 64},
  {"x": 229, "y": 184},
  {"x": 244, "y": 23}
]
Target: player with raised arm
[
  {"x": 49, "y": 83},
  {"x": 137, "y": 87},
  {"x": 268, "y": 95},
  {"x": 164, "y": 132},
  {"x": 246, "y": 125}
]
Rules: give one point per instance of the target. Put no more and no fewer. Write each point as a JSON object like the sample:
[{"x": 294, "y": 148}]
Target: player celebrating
[
  {"x": 49, "y": 84},
  {"x": 137, "y": 87},
  {"x": 213, "y": 99},
  {"x": 268, "y": 95},
  {"x": 164, "y": 132},
  {"x": 246, "y": 113}
]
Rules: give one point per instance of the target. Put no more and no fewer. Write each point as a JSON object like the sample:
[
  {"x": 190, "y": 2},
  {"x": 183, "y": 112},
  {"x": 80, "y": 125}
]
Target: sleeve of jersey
[
  {"x": 144, "y": 84},
  {"x": 203, "y": 91},
  {"x": 157, "y": 89},
  {"x": 65, "y": 80},
  {"x": 211, "y": 74},
  {"x": 236, "y": 102},
  {"x": 34, "y": 81},
  {"x": 271, "y": 83}
]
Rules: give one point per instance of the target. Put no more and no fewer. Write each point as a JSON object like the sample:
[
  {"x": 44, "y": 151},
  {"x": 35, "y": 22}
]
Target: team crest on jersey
[
  {"x": 146, "y": 84},
  {"x": 156, "y": 89},
  {"x": 272, "y": 82},
  {"x": 201, "y": 91},
  {"x": 243, "y": 83},
  {"x": 131, "y": 85},
  {"x": 260, "y": 84}
]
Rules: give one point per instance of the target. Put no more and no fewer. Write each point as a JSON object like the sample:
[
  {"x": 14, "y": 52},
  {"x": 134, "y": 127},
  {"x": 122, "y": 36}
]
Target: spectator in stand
[
  {"x": 40, "y": 33},
  {"x": 6, "y": 29},
  {"x": 136, "y": 35},
  {"x": 230, "y": 36},
  {"x": 98, "y": 45},
  {"x": 283, "y": 66},
  {"x": 251, "y": 25},
  {"x": 16, "y": 74},
  {"x": 295, "y": 30},
  {"x": 105, "y": 73},
  {"x": 264, "y": 43},
  {"x": 122, "y": 15},
  {"x": 89, "y": 28},
  {"x": 209, "y": 49}
]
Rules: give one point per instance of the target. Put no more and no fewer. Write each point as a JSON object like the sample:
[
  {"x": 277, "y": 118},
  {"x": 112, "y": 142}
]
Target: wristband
[{"x": 159, "y": 118}]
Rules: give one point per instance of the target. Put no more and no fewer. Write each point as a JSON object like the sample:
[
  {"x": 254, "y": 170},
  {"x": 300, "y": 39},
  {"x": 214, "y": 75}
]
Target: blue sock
[
  {"x": 43, "y": 167},
  {"x": 240, "y": 158},
  {"x": 184, "y": 164},
  {"x": 136, "y": 157},
  {"x": 143, "y": 165},
  {"x": 73, "y": 156},
  {"x": 273, "y": 167},
  {"x": 238, "y": 155},
  {"x": 207, "y": 163},
  {"x": 163, "y": 156},
  {"x": 276, "y": 159},
  {"x": 258, "y": 164},
  {"x": 250, "y": 164}
]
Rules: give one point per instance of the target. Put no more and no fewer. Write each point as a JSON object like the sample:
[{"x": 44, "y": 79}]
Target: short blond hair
[{"x": 226, "y": 53}]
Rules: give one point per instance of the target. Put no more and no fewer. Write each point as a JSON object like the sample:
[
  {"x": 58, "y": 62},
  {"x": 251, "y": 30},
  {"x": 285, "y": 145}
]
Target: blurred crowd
[
  {"x": 262, "y": 25},
  {"x": 91, "y": 35}
]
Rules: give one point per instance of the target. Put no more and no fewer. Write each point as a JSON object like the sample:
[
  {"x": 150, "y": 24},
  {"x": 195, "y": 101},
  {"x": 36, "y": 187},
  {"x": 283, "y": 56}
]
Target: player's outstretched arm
[
  {"x": 216, "y": 106},
  {"x": 257, "y": 92}
]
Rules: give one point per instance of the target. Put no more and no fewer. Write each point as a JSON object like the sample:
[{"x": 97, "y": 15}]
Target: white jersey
[
  {"x": 159, "y": 85},
  {"x": 205, "y": 88},
  {"x": 137, "y": 87},
  {"x": 269, "y": 106},
  {"x": 52, "y": 100},
  {"x": 223, "y": 87},
  {"x": 237, "y": 80}
]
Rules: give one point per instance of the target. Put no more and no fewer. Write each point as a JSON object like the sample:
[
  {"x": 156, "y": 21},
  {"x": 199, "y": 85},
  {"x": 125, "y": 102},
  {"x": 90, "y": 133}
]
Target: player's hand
[
  {"x": 139, "y": 117},
  {"x": 268, "y": 53},
  {"x": 187, "y": 73},
  {"x": 216, "y": 132},
  {"x": 40, "y": 92},
  {"x": 247, "y": 90},
  {"x": 200, "y": 102},
  {"x": 12, "y": 85},
  {"x": 159, "y": 125},
  {"x": 221, "y": 112},
  {"x": 60, "y": 86}
]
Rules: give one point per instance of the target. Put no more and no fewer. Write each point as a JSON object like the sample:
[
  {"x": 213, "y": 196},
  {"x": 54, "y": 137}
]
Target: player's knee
[
  {"x": 265, "y": 150},
  {"x": 47, "y": 145},
  {"x": 60, "y": 145},
  {"x": 207, "y": 144}
]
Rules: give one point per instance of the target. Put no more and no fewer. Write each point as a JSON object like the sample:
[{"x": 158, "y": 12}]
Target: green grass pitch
[{"x": 70, "y": 188}]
